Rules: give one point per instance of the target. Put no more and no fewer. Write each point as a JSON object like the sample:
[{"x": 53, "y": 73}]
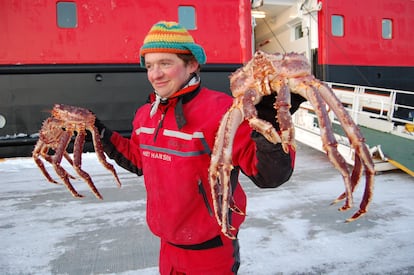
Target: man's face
[{"x": 167, "y": 72}]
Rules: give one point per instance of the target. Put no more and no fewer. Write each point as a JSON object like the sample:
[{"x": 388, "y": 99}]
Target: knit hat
[{"x": 170, "y": 37}]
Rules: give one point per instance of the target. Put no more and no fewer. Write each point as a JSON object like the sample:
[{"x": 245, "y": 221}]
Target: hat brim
[{"x": 196, "y": 50}]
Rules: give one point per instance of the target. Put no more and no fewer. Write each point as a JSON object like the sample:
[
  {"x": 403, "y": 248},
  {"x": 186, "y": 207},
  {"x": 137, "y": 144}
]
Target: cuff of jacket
[
  {"x": 105, "y": 135},
  {"x": 274, "y": 166}
]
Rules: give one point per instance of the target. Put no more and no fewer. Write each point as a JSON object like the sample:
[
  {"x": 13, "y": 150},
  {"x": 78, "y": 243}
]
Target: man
[{"x": 170, "y": 145}]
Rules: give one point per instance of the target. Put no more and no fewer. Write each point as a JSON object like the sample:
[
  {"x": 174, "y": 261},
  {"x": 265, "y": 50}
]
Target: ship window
[
  {"x": 298, "y": 31},
  {"x": 187, "y": 17},
  {"x": 386, "y": 28},
  {"x": 66, "y": 15},
  {"x": 337, "y": 25}
]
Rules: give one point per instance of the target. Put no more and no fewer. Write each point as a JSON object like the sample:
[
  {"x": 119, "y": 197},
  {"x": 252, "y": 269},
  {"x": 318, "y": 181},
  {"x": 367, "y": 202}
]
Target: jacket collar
[{"x": 183, "y": 96}]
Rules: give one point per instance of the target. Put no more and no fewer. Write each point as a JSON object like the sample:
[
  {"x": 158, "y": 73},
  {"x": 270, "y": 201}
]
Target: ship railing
[
  {"x": 386, "y": 110},
  {"x": 364, "y": 103}
]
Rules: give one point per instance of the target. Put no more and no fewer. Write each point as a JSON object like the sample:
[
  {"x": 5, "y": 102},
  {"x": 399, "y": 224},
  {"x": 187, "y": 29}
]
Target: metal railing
[{"x": 396, "y": 106}]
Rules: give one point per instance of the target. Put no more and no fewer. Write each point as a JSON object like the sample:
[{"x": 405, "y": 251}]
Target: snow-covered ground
[{"x": 289, "y": 230}]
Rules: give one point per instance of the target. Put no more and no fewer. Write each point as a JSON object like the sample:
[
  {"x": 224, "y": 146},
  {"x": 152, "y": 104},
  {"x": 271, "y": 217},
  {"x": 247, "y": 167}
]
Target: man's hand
[{"x": 266, "y": 110}]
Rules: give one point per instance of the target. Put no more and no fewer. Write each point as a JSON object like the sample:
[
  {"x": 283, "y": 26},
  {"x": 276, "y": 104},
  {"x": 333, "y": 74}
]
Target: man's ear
[{"x": 194, "y": 66}]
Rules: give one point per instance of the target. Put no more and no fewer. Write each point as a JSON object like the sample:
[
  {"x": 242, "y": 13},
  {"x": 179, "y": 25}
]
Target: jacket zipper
[
  {"x": 202, "y": 191},
  {"x": 160, "y": 123}
]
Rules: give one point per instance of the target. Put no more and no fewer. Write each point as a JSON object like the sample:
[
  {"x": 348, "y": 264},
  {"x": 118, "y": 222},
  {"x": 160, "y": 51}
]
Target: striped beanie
[{"x": 170, "y": 37}]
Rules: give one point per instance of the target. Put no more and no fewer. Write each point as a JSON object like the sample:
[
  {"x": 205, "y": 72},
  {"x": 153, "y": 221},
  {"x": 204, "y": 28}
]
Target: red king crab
[
  {"x": 282, "y": 74},
  {"x": 56, "y": 133}
]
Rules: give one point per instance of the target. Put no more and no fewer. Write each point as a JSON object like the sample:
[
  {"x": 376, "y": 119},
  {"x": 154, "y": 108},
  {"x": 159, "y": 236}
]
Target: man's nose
[{"x": 157, "y": 71}]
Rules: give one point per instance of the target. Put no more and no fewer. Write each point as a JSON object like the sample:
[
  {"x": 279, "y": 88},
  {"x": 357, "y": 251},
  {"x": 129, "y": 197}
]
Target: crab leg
[
  {"x": 221, "y": 166},
  {"x": 99, "y": 153},
  {"x": 56, "y": 159},
  {"x": 356, "y": 139},
  {"x": 356, "y": 175},
  {"x": 265, "y": 128},
  {"x": 358, "y": 143},
  {"x": 328, "y": 139},
  {"x": 77, "y": 157},
  {"x": 41, "y": 150},
  {"x": 282, "y": 105}
]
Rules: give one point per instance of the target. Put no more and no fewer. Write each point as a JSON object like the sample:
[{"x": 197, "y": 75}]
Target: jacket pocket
[{"x": 202, "y": 191}]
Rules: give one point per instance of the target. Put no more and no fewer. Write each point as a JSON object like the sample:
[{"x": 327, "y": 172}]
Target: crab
[
  {"x": 54, "y": 137},
  {"x": 282, "y": 74}
]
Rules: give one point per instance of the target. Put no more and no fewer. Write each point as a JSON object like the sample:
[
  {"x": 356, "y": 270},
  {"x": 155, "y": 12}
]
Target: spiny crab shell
[{"x": 55, "y": 136}]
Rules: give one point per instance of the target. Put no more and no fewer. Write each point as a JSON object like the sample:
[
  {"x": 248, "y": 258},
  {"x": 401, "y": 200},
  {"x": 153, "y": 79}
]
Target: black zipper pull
[{"x": 159, "y": 126}]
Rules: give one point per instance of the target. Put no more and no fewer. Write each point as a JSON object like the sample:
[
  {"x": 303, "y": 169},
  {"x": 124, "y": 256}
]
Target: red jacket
[{"x": 172, "y": 150}]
